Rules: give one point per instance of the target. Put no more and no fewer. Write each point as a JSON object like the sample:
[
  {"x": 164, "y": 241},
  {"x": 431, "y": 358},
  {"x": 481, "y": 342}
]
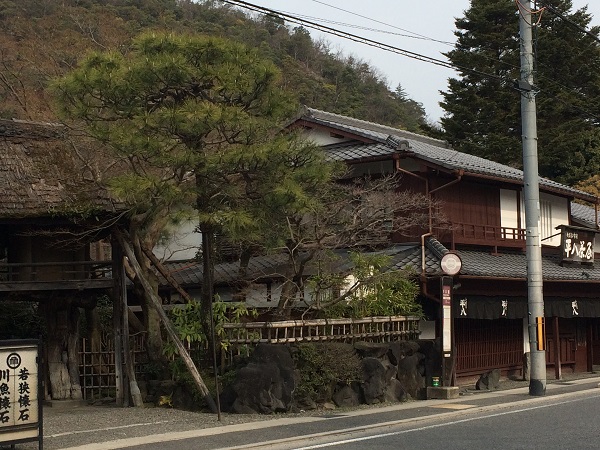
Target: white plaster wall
[
  {"x": 508, "y": 209},
  {"x": 257, "y": 297},
  {"x": 322, "y": 137},
  {"x": 559, "y": 207},
  {"x": 560, "y": 216}
]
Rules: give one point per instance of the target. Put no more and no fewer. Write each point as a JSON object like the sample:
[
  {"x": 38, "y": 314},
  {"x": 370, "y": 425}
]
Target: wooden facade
[{"x": 477, "y": 210}]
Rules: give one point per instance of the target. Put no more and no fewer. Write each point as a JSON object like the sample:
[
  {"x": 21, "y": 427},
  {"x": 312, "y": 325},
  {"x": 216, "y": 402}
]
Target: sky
[{"x": 420, "y": 27}]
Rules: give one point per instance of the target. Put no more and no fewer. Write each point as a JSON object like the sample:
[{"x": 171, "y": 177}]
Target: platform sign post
[
  {"x": 446, "y": 286},
  {"x": 20, "y": 392}
]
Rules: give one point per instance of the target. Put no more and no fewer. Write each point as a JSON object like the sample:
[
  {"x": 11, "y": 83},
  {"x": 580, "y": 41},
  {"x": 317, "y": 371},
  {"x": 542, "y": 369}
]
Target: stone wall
[{"x": 268, "y": 381}]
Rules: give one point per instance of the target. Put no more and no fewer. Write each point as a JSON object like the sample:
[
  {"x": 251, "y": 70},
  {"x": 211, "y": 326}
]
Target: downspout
[
  {"x": 430, "y": 232},
  {"x": 424, "y": 179},
  {"x": 459, "y": 174}
]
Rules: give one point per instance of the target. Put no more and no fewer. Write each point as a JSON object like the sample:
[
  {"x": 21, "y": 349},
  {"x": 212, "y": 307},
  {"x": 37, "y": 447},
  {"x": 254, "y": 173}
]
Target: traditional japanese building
[{"x": 478, "y": 253}]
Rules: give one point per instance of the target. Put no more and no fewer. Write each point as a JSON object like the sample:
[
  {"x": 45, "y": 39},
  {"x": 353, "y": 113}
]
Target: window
[{"x": 546, "y": 229}]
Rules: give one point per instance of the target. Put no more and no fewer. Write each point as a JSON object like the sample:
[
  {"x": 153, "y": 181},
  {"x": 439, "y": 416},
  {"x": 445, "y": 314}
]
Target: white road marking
[{"x": 437, "y": 425}]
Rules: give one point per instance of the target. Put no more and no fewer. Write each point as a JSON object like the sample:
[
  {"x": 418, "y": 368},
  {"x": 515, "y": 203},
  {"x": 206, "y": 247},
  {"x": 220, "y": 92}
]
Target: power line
[
  {"x": 568, "y": 20},
  {"x": 376, "y": 30},
  {"x": 376, "y": 44},
  {"x": 360, "y": 39},
  {"x": 421, "y": 36}
]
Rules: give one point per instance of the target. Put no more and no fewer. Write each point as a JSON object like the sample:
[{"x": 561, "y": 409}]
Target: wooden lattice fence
[{"x": 97, "y": 367}]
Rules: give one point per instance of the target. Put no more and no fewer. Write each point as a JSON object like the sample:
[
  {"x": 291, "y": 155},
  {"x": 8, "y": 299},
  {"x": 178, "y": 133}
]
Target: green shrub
[{"x": 322, "y": 366}]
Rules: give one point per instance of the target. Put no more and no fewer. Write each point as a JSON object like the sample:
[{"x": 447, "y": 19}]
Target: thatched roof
[{"x": 40, "y": 175}]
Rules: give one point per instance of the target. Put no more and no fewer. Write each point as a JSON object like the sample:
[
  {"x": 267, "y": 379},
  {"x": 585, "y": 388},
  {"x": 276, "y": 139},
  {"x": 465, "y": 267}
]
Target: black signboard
[{"x": 577, "y": 244}]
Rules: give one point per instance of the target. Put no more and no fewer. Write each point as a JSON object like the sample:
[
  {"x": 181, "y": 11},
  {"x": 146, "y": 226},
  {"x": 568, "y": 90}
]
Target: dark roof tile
[{"x": 423, "y": 147}]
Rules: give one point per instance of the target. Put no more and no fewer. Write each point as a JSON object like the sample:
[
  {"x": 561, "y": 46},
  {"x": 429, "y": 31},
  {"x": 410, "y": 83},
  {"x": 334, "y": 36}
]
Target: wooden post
[
  {"x": 118, "y": 283},
  {"x": 556, "y": 333},
  {"x": 134, "y": 389},
  {"x": 157, "y": 305},
  {"x": 589, "y": 344}
]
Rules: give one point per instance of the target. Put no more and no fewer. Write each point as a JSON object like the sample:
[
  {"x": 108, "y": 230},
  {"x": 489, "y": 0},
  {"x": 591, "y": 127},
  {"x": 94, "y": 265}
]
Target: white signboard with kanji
[{"x": 20, "y": 414}]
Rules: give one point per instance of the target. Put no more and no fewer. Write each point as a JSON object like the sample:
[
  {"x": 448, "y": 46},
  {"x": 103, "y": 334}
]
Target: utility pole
[{"x": 535, "y": 297}]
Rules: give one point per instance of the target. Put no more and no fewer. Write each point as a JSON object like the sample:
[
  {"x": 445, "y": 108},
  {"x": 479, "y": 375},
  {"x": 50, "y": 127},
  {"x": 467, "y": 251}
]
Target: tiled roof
[
  {"x": 514, "y": 265},
  {"x": 584, "y": 215},
  {"x": 364, "y": 128},
  {"x": 403, "y": 257},
  {"x": 506, "y": 265},
  {"x": 358, "y": 151},
  {"x": 428, "y": 149},
  {"x": 269, "y": 266}
]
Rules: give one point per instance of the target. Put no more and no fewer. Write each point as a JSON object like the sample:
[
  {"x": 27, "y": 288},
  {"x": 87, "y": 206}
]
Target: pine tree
[
  {"x": 192, "y": 121},
  {"x": 483, "y": 105}
]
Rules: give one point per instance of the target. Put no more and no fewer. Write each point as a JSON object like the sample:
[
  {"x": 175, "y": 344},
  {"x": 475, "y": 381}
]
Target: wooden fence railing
[{"x": 370, "y": 328}]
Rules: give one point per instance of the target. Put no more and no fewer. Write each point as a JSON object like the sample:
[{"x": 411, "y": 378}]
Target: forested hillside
[{"x": 43, "y": 39}]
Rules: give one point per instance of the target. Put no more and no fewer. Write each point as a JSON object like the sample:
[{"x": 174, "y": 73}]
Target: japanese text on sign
[
  {"x": 18, "y": 388},
  {"x": 577, "y": 246}
]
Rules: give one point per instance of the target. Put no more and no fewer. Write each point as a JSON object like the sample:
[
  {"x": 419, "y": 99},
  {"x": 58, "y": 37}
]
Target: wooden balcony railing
[
  {"x": 55, "y": 275},
  {"x": 488, "y": 235}
]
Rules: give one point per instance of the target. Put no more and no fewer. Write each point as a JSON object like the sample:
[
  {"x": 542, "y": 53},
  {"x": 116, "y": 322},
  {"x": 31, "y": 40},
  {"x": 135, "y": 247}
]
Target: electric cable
[
  {"x": 557, "y": 13},
  {"x": 363, "y": 40},
  {"x": 414, "y": 55},
  {"x": 382, "y": 23}
]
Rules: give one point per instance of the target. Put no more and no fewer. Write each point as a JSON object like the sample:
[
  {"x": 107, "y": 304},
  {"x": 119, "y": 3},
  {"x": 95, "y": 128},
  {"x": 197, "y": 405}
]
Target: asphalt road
[
  {"x": 507, "y": 419},
  {"x": 565, "y": 419},
  {"x": 568, "y": 422}
]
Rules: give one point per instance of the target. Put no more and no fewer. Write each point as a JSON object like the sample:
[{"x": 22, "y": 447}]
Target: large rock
[
  {"x": 401, "y": 349},
  {"x": 374, "y": 381},
  {"x": 371, "y": 349},
  {"x": 395, "y": 392},
  {"x": 489, "y": 381},
  {"x": 345, "y": 396},
  {"x": 267, "y": 383},
  {"x": 410, "y": 374}
]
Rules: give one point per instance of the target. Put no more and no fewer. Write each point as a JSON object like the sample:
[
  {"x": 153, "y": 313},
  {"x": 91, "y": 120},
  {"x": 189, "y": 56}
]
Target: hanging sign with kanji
[{"x": 577, "y": 244}]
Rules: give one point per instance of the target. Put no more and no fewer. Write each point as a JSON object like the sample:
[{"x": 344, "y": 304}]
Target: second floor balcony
[
  {"x": 481, "y": 235},
  {"x": 72, "y": 275}
]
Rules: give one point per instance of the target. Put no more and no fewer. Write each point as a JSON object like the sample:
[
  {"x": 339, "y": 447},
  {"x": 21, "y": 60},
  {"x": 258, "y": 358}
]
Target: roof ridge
[
  {"x": 436, "y": 151},
  {"x": 372, "y": 126}
]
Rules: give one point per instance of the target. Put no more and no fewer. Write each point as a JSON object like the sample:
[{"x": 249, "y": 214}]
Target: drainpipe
[
  {"x": 459, "y": 175},
  {"x": 429, "y": 233},
  {"x": 424, "y": 179},
  {"x": 423, "y": 236}
]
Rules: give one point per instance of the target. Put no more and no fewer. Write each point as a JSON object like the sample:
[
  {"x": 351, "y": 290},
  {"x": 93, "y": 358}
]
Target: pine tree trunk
[{"x": 61, "y": 348}]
